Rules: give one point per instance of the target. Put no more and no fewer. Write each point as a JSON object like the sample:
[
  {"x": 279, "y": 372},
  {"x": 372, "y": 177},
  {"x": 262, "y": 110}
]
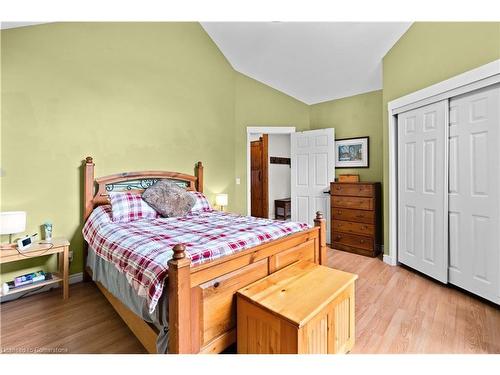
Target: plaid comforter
[{"x": 140, "y": 249}]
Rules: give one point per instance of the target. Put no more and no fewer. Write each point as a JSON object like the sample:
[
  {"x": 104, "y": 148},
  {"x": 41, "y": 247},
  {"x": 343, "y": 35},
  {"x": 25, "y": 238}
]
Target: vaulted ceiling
[{"x": 310, "y": 61}]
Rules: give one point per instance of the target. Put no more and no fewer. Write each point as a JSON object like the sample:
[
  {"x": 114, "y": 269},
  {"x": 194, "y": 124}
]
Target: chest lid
[{"x": 298, "y": 292}]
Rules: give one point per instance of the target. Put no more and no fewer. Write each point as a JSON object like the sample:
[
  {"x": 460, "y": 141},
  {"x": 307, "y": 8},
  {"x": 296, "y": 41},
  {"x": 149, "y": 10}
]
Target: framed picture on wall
[{"x": 351, "y": 152}]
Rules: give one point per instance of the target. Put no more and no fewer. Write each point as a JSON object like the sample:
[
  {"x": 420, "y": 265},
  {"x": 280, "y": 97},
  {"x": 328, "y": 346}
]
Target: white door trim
[
  {"x": 261, "y": 130},
  {"x": 471, "y": 80}
]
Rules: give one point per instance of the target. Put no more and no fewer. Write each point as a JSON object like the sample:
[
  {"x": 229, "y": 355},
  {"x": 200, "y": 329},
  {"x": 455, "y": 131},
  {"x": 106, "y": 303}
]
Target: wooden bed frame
[{"x": 202, "y": 311}]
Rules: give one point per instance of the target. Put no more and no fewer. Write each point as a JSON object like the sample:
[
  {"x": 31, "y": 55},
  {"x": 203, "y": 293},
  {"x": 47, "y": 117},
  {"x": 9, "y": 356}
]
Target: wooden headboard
[{"x": 130, "y": 181}]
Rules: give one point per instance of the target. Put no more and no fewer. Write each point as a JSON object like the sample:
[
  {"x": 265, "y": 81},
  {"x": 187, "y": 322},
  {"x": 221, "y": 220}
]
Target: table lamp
[
  {"x": 221, "y": 200},
  {"x": 12, "y": 222}
]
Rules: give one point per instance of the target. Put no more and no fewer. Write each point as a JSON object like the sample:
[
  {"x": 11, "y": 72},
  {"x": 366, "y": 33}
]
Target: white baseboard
[
  {"x": 390, "y": 260},
  {"x": 76, "y": 278},
  {"x": 73, "y": 279}
]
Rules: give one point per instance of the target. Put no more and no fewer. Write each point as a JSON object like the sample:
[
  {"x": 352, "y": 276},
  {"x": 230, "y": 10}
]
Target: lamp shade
[
  {"x": 221, "y": 200},
  {"x": 12, "y": 222}
]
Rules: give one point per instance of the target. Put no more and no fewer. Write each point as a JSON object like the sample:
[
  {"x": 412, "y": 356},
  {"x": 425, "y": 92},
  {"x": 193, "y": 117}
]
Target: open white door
[
  {"x": 423, "y": 189},
  {"x": 313, "y": 168}
]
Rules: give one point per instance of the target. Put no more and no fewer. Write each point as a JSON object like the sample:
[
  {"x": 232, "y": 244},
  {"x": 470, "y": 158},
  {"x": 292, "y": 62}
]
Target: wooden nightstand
[
  {"x": 38, "y": 249},
  {"x": 283, "y": 208}
]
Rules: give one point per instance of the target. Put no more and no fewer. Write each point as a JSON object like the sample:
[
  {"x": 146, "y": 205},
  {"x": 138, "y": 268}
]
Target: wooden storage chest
[
  {"x": 302, "y": 309},
  {"x": 355, "y": 217}
]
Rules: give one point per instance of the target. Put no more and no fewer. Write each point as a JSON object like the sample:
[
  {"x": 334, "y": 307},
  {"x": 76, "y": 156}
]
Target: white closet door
[
  {"x": 313, "y": 167},
  {"x": 422, "y": 189},
  {"x": 474, "y": 189}
]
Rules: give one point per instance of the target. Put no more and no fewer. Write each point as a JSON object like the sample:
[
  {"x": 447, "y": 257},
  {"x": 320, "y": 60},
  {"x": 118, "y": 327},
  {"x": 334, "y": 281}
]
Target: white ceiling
[
  {"x": 13, "y": 25},
  {"x": 310, "y": 61}
]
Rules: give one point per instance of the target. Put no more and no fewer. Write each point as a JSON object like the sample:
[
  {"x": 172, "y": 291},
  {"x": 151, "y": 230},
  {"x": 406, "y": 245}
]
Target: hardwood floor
[
  {"x": 401, "y": 311},
  {"x": 85, "y": 323},
  {"x": 397, "y": 311}
]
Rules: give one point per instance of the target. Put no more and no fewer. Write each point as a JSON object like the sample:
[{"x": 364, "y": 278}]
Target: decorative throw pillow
[
  {"x": 128, "y": 206},
  {"x": 201, "y": 202},
  {"x": 168, "y": 198}
]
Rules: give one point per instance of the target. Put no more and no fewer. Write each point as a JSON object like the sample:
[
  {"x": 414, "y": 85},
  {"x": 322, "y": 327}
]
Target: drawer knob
[
  {"x": 338, "y": 238},
  {"x": 216, "y": 284},
  {"x": 361, "y": 241},
  {"x": 339, "y": 212}
]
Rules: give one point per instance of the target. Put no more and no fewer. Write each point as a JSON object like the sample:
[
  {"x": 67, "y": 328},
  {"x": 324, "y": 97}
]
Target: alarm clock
[
  {"x": 26, "y": 242},
  {"x": 5, "y": 289}
]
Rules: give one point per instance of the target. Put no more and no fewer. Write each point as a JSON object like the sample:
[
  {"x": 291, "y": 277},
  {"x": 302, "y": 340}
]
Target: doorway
[
  {"x": 259, "y": 177},
  {"x": 254, "y": 133}
]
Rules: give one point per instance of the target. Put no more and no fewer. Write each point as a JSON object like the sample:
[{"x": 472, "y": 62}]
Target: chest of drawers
[{"x": 355, "y": 217}]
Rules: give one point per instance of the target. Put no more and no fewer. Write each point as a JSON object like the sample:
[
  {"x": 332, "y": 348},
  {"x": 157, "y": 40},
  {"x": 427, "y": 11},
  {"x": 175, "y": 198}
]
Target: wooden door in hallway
[{"x": 259, "y": 177}]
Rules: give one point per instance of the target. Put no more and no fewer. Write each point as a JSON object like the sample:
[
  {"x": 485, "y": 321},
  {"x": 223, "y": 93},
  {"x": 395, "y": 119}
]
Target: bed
[{"x": 195, "y": 311}]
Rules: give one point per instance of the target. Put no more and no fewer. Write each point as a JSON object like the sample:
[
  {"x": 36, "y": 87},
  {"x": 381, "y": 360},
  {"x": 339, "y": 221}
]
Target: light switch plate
[{"x": 238, "y": 181}]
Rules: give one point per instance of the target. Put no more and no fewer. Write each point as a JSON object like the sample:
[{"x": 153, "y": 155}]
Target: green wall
[
  {"x": 259, "y": 105},
  {"x": 355, "y": 116},
  {"x": 135, "y": 96},
  {"x": 429, "y": 53}
]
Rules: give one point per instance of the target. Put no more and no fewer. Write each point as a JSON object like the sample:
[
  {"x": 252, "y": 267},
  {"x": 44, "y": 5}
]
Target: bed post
[
  {"x": 88, "y": 174},
  {"x": 179, "y": 302},
  {"x": 321, "y": 223},
  {"x": 199, "y": 175},
  {"x": 88, "y": 188}
]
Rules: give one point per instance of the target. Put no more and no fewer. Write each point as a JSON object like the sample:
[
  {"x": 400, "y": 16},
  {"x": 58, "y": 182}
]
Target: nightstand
[
  {"x": 283, "y": 209},
  {"x": 38, "y": 249}
]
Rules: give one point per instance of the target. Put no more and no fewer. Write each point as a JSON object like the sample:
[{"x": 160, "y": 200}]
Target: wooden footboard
[{"x": 202, "y": 311}]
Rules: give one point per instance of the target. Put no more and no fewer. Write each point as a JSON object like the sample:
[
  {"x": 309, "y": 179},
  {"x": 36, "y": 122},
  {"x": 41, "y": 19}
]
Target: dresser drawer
[
  {"x": 351, "y": 227},
  {"x": 359, "y": 216},
  {"x": 355, "y": 250},
  {"x": 355, "y": 190},
  {"x": 353, "y": 202},
  {"x": 353, "y": 240}
]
